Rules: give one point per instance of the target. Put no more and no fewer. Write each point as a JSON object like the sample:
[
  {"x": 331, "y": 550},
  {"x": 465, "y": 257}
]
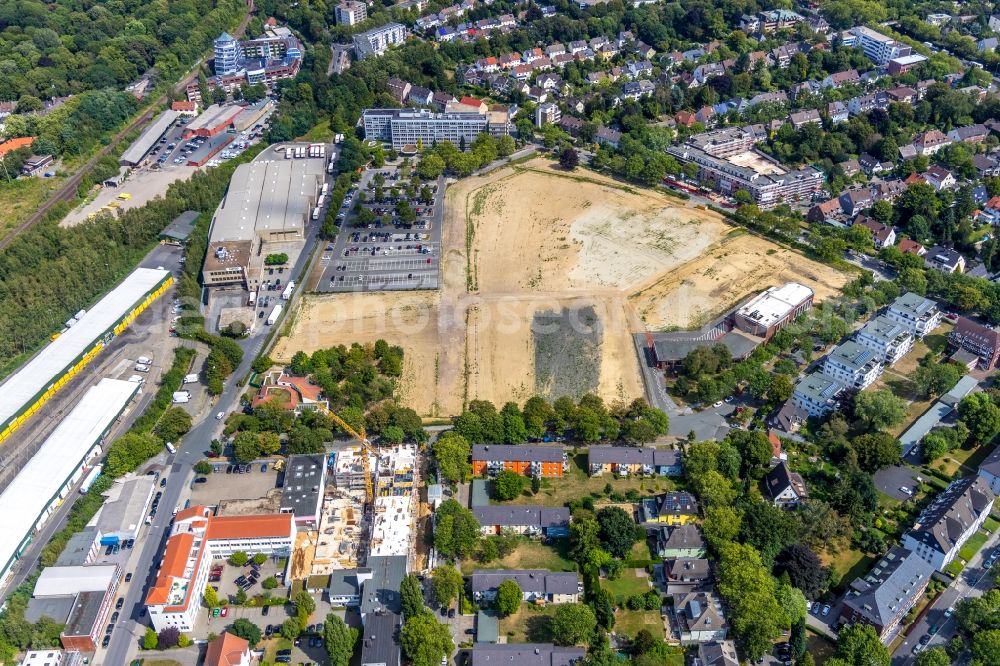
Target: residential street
[{"x": 980, "y": 583}]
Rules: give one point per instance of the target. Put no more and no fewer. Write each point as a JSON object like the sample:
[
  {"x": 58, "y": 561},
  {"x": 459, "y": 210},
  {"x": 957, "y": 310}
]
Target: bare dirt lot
[
  {"x": 737, "y": 266},
  {"x": 544, "y": 276}
]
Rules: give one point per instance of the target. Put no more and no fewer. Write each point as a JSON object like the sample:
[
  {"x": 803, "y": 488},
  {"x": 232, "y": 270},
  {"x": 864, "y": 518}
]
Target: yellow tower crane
[{"x": 366, "y": 451}]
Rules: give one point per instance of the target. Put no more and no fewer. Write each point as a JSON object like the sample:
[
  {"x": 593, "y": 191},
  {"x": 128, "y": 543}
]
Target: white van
[
  {"x": 171, "y": 448},
  {"x": 141, "y": 367},
  {"x": 145, "y": 360}
]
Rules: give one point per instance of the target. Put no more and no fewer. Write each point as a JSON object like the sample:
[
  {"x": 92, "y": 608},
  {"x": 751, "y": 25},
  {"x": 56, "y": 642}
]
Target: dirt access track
[{"x": 545, "y": 275}]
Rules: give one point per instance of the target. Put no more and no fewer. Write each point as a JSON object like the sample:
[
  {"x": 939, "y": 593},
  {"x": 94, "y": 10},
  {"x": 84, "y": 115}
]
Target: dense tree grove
[
  {"x": 588, "y": 420},
  {"x": 57, "y": 49}
]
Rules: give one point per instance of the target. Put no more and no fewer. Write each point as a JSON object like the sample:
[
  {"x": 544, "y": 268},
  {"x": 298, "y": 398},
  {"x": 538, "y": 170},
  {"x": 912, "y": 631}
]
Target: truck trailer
[{"x": 275, "y": 313}]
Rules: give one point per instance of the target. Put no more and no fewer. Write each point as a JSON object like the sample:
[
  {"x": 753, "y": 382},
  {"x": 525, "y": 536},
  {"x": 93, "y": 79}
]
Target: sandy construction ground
[
  {"x": 544, "y": 278},
  {"x": 736, "y": 267}
]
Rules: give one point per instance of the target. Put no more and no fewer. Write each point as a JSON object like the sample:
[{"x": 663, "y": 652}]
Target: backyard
[
  {"x": 530, "y": 554},
  {"x": 631, "y": 582},
  {"x": 631, "y": 622},
  {"x": 848, "y": 563},
  {"x": 577, "y": 483},
  {"x": 530, "y": 624}
]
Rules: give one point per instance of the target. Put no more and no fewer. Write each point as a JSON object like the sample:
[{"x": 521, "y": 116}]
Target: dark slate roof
[
  {"x": 991, "y": 465},
  {"x": 536, "y": 516},
  {"x": 536, "y": 581},
  {"x": 780, "y": 478},
  {"x": 633, "y": 455},
  {"x": 682, "y": 537},
  {"x": 379, "y": 644},
  {"x": 695, "y": 568},
  {"x": 717, "y": 653},
  {"x": 680, "y": 503},
  {"x": 525, "y": 654},
  {"x": 947, "y": 518},
  {"x": 878, "y": 595},
  {"x": 527, "y": 452}
]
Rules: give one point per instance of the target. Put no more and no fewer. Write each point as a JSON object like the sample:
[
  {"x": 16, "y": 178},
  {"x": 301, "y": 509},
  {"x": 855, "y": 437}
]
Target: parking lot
[
  {"x": 386, "y": 253},
  {"x": 166, "y": 163}
]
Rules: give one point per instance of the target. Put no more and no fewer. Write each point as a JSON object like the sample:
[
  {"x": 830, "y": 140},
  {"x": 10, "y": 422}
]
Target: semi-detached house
[
  {"x": 530, "y": 460},
  {"x": 947, "y": 523},
  {"x": 529, "y": 520},
  {"x": 627, "y": 460}
]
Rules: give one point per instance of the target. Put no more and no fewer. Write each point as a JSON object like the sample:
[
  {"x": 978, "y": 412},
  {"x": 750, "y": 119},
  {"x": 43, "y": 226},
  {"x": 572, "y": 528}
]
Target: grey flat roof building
[
  {"x": 77, "y": 550},
  {"x": 302, "y": 493},
  {"x": 122, "y": 514},
  {"x": 135, "y": 153},
  {"x": 380, "y": 640}
]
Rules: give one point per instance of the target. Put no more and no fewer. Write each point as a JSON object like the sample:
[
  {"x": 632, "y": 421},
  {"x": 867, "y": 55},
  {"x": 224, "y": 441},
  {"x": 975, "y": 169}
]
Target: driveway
[{"x": 891, "y": 479}]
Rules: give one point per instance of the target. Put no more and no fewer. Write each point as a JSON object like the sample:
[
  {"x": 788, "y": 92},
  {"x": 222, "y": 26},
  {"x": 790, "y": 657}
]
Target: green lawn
[
  {"x": 973, "y": 545},
  {"x": 530, "y": 624},
  {"x": 577, "y": 483},
  {"x": 849, "y": 564},
  {"x": 991, "y": 524},
  {"x": 530, "y": 554},
  {"x": 631, "y": 622},
  {"x": 819, "y": 647},
  {"x": 955, "y": 568},
  {"x": 628, "y": 584},
  {"x": 271, "y": 647}
]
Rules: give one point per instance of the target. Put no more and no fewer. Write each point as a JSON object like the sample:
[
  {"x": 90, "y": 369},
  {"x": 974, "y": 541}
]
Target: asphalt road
[
  {"x": 975, "y": 581},
  {"x": 179, "y": 474}
]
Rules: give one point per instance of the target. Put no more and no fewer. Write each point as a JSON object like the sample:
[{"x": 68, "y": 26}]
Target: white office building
[
  {"x": 817, "y": 394},
  {"x": 878, "y": 47}
]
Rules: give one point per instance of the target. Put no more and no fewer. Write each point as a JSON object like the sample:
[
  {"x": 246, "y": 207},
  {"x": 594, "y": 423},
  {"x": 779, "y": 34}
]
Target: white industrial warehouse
[
  {"x": 45, "y": 480},
  {"x": 86, "y": 334}
]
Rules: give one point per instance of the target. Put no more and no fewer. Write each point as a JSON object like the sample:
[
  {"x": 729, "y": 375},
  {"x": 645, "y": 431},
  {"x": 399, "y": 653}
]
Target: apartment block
[
  {"x": 350, "y": 13},
  {"x": 853, "y": 365},
  {"x": 883, "y": 596},
  {"x": 402, "y": 127},
  {"x": 530, "y": 460},
  {"x": 917, "y": 314},
  {"x": 197, "y": 538},
  {"x": 537, "y": 585},
  {"x": 879, "y": 48},
  {"x": 890, "y": 339},
  {"x": 817, "y": 394},
  {"x": 978, "y": 339},
  {"x": 946, "y": 524},
  {"x": 628, "y": 460},
  {"x": 377, "y": 41}
]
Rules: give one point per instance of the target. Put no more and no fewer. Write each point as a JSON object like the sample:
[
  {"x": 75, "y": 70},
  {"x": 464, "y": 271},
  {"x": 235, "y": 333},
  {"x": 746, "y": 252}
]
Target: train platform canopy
[
  {"x": 48, "y": 366},
  {"x": 27, "y": 501},
  {"x": 141, "y": 146}
]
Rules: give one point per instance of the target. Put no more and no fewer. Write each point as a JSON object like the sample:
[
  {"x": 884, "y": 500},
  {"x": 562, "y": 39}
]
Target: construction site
[{"x": 346, "y": 537}]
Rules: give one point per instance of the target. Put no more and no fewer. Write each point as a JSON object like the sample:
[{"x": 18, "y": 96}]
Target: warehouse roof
[
  {"x": 41, "y": 479},
  {"x": 214, "y": 116},
  {"x": 125, "y": 507},
  {"x": 50, "y": 363},
  {"x": 268, "y": 198},
  {"x": 57, "y": 581},
  {"x": 134, "y": 154}
]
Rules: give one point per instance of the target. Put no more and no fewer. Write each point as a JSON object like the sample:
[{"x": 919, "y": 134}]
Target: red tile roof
[
  {"x": 15, "y": 144},
  {"x": 244, "y": 527},
  {"x": 184, "y": 106},
  {"x": 175, "y": 558},
  {"x": 226, "y": 650}
]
